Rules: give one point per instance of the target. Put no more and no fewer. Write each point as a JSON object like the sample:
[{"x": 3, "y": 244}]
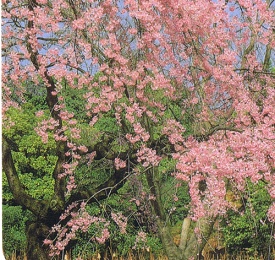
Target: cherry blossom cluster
[
  {"x": 141, "y": 134},
  {"x": 120, "y": 220},
  {"x": 45, "y": 125},
  {"x": 148, "y": 156},
  {"x": 119, "y": 163},
  {"x": 174, "y": 131},
  {"x": 203, "y": 55},
  {"x": 80, "y": 221},
  {"x": 141, "y": 241},
  {"x": 133, "y": 111},
  {"x": 242, "y": 156}
]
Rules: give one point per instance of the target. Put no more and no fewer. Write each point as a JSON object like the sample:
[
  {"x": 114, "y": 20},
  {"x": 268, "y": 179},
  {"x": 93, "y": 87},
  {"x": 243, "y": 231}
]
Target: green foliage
[
  {"x": 90, "y": 136},
  {"x": 251, "y": 229},
  {"x": 107, "y": 123},
  {"x": 75, "y": 102},
  {"x": 172, "y": 197},
  {"x": 33, "y": 160},
  {"x": 91, "y": 176},
  {"x": 118, "y": 243},
  {"x": 38, "y": 101},
  {"x": 13, "y": 228},
  {"x": 181, "y": 204}
]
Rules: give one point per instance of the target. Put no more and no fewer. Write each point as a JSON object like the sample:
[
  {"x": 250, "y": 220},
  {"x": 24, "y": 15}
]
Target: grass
[{"x": 149, "y": 256}]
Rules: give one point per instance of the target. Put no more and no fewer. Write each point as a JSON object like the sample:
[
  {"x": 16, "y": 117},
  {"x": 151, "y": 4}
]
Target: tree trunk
[
  {"x": 36, "y": 233},
  {"x": 47, "y": 212},
  {"x": 184, "y": 233},
  {"x": 163, "y": 225},
  {"x": 187, "y": 249},
  {"x": 194, "y": 246},
  {"x": 171, "y": 250}
]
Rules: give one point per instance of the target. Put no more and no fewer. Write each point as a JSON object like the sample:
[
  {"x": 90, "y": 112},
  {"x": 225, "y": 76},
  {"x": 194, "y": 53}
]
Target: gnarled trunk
[
  {"x": 188, "y": 248},
  {"x": 36, "y": 233},
  {"x": 47, "y": 212},
  {"x": 171, "y": 249},
  {"x": 194, "y": 247}
]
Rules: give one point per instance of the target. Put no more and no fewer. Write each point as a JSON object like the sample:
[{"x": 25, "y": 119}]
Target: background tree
[{"x": 187, "y": 81}]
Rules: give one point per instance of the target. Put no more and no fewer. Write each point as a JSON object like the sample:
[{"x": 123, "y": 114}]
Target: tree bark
[
  {"x": 171, "y": 249},
  {"x": 184, "y": 233},
  {"x": 45, "y": 211},
  {"x": 187, "y": 248},
  {"x": 166, "y": 238},
  {"x": 194, "y": 246},
  {"x": 36, "y": 232}
]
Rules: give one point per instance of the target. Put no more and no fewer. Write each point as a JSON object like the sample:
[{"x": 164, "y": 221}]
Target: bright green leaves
[
  {"x": 34, "y": 161},
  {"x": 22, "y": 124},
  {"x": 88, "y": 177},
  {"x": 167, "y": 165},
  {"x": 40, "y": 188},
  {"x": 107, "y": 123},
  {"x": 75, "y": 102},
  {"x": 13, "y": 229},
  {"x": 117, "y": 146},
  {"x": 90, "y": 136},
  {"x": 250, "y": 229}
]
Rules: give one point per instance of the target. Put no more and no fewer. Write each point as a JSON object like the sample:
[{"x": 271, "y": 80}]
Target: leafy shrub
[
  {"x": 249, "y": 231},
  {"x": 13, "y": 229},
  {"x": 33, "y": 160}
]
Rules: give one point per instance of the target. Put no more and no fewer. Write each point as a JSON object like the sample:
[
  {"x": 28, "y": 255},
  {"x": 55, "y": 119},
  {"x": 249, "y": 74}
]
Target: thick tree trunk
[
  {"x": 191, "y": 248},
  {"x": 45, "y": 211},
  {"x": 184, "y": 233},
  {"x": 36, "y": 233},
  {"x": 188, "y": 248},
  {"x": 194, "y": 247},
  {"x": 19, "y": 194},
  {"x": 172, "y": 251},
  {"x": 163, "y": 225}
]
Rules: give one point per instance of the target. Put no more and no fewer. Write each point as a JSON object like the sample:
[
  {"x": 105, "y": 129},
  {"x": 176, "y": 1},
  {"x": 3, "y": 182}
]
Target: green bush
[
  {"x": 250, "y": 230},
  {"x": 13, "y": 228},
  {"x": 33, "y": 160}
]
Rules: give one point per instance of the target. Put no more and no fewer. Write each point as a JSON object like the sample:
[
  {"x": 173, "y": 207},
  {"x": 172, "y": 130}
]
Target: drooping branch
[
  {"x": 223, "y": 128},
  {"x": 206, "y": 136}
]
